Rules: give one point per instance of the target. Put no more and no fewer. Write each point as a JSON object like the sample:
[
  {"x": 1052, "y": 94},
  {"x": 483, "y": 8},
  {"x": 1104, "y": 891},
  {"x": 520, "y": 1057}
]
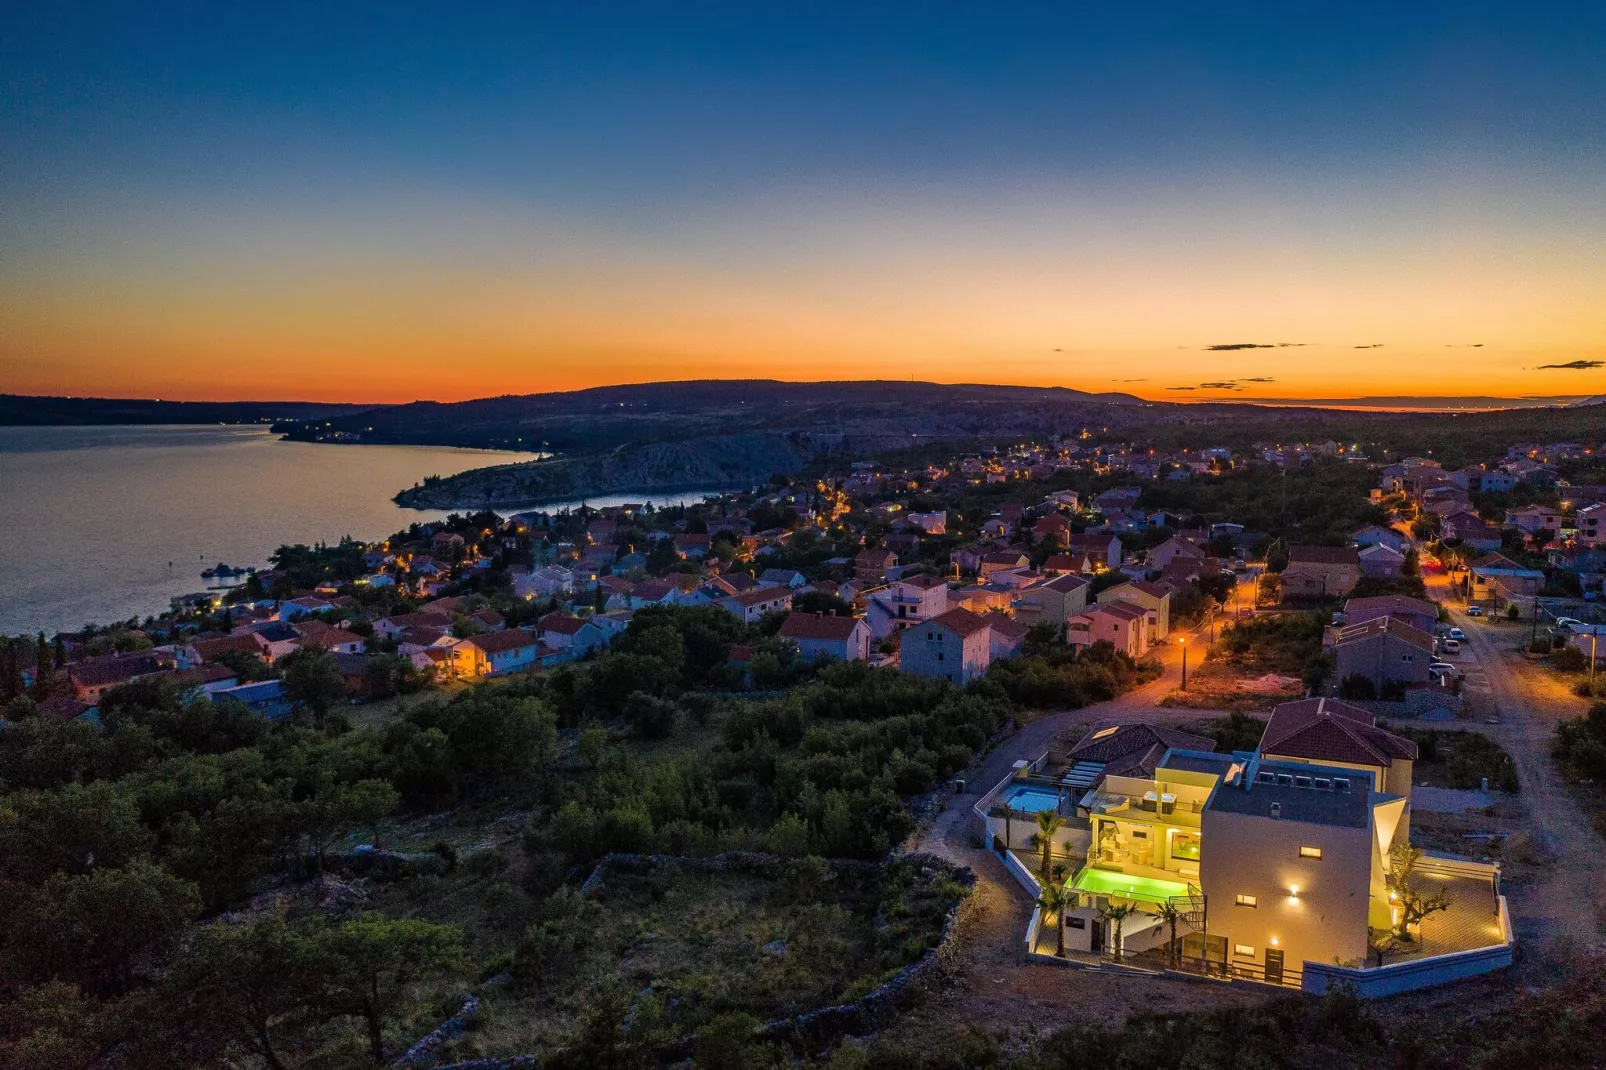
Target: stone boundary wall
[
  {"x": 1417, "y": 702},
  {"x": 818, "y": 1026}
]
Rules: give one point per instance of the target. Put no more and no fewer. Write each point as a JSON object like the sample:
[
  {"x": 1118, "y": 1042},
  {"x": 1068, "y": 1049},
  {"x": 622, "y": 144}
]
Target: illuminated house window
[
  {"x": 1310, "y": 852},
  {"x": 1243, "y": 951},
  {"x": 1247, "y": 901}
]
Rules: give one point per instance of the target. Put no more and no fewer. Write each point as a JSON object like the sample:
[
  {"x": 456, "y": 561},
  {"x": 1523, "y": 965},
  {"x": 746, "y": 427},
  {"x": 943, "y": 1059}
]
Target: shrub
[
  {"x": 1569, "y": 659},
  {"x": 1356, "y": 686}
]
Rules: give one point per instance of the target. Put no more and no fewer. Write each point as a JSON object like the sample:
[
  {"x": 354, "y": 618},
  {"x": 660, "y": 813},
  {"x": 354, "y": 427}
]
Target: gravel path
[{"x": 1563, "y": 903}]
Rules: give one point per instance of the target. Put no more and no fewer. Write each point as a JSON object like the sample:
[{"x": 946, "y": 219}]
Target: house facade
[
  {"x": 822, "y": 636},
  {"x": 905, "y": 603},
  {"x": 1320, "y": 571},
  {"x": 955, "y": 646},
  {"x": 1384, "y": 650},
  {"x": 1152, "y": 598},
  {"x": 1118, "y": 622},
  {"x": 1054, "y": 601}
]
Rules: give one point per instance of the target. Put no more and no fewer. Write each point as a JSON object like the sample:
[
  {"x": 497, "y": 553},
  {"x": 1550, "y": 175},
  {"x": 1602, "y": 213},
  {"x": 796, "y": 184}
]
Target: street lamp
[{"x": 1183, "y": 640}]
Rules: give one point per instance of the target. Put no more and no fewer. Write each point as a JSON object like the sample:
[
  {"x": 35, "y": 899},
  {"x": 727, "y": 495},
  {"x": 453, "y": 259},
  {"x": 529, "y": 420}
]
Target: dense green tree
[
  {"x": 373, "y": 959},
  {"x": 313, "y": 682},
  {"x": 94, "y": 929}
]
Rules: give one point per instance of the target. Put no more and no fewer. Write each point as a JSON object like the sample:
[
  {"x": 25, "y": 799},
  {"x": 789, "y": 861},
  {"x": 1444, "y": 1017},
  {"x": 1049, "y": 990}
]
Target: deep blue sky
[{"x": 691, "y": 133}]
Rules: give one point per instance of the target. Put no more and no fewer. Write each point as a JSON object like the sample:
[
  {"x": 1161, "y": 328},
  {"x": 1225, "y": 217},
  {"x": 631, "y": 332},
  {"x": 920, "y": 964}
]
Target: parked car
[
  {"x": 1474, "y": 611},
  {"x": 1567, "y": 624},
  {"x": 1444, "y": 668},
  {"x": 1452, "y": 646},
  {"x": 1457, "y": 633}
]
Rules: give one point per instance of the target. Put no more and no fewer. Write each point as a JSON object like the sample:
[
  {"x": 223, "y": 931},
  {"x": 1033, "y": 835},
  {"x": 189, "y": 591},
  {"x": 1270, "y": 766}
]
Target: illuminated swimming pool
[
  {"x": 1127, "y": 886},
  {"x": 1033, "y": 800}
]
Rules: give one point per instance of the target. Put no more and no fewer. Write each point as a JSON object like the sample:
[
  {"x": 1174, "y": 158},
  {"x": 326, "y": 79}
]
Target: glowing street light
[{"x": 1183, "y": 640}]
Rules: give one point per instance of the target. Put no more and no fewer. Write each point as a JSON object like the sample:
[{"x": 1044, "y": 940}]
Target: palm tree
[
  {"x": 1054, "y": 900},
  {"x": 1009, "y": 813},
  {"x": 1048, "y": 823},
  {"x": 1117, "y": 913},
  {"x": 1170, "y": 913}
]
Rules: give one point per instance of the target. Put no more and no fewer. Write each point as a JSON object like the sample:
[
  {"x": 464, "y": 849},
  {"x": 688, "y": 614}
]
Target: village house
[
  {"x": 655, "y": 592},
  {"x": 1532, "y": 519},
  {"x": 1054, "y": 601},
  {"x": 1001, "y": 561},
  {"x": 93, "y": 677},
  {"x": 781, "y": 577},
  {"x": 1591, "y": 524},
  {"x": 446, "y": 544},
  {"x": 496, "y": 654},
  {"x": 570, "y": 634},
  {"x": 392, "y": 627},
  {"x": 905, "y": 602},
  {"x": 1330, "y": 732},
  {"x": 1373, "y": 535},
  {"x": 955, "y": 646},
  {"x": 822, "y": 636},
  {"x": 1470, "y": 530},
  {"x": 1153, "y": 598},
  {"x": 749, "y": 607},
  {"x": 1052, "y": 524},
  {"x": 1380, "y": 562},
  {"x": 1384, "y": 650},
  {"x": 872, "y": 566},
  {"x": 1120, "y": 623},
  {"x": 1418, "y": 613},
  {"x": 1103, "y": 547},
  {"x": 1320, "y": 571},
  {"x": 1061, "y": 563},
  {"x": 1497, "y": 576},
  {"x": 1007, "y": 635}
]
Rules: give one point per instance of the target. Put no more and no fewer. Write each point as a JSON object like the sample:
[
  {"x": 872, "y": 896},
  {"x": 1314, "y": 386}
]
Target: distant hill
[
  {"x": 18, "y": 410},
  {"x": 650, "y": 412},
  {"x": 667, "y": 436}
]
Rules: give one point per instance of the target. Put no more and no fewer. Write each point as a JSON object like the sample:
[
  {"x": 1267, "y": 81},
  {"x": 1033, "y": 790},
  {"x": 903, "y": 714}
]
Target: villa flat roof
[{"x": 1252, "y": 797}]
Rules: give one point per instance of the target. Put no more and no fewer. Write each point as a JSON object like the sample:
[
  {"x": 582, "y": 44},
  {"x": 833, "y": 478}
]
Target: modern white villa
[{"x": 1287, "y": 865}]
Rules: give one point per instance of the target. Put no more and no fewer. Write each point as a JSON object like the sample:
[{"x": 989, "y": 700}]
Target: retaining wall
[{"x": 1415, "y": 973}]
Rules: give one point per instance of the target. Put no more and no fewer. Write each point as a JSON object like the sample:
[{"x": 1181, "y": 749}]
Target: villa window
[
  {"x": 1310, "y": 852},
  {"x": 1243, "y": 951},
  {"x": 1185, "y": 845},
  {"x": 1248, "y": 901}
]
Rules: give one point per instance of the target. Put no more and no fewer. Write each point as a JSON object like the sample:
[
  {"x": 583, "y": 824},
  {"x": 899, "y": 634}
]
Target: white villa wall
[{"x": 1259, "y": 856}]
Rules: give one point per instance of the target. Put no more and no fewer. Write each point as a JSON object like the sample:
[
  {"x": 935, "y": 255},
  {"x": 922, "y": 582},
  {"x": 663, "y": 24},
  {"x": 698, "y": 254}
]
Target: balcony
[{"x": 1151, "y": 807}]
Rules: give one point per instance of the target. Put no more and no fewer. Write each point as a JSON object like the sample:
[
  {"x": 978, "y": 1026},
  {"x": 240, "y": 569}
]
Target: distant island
[{"x": 20, "y": 410}]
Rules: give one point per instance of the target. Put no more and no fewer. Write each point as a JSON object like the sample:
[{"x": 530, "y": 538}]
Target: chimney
[{"x": 1276, "y": 810}]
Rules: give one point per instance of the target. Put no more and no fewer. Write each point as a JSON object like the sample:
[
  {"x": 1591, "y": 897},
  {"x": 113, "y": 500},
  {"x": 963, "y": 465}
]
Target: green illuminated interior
[{"x": 1127, "y": 885}]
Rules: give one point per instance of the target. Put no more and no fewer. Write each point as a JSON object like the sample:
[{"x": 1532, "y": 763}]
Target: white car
[
  {"x": 1457, "y": 633},
  {"x": 1444, "y": 668},
  {"x": 1452, "y": 646},
  {"x": 1567, "y": 624}
]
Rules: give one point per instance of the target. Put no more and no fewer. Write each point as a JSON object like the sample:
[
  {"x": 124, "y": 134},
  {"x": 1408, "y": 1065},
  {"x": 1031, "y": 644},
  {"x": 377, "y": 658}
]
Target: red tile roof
[
  {"x": 1322, "y": 555},
  {"x": 961, "y": 621},
  {"x": 501, "y": 642},
  {"x": 1327, "y": 730},
  {"x": 1393, "y": 626},
  {"x": 818, "y": 626}
]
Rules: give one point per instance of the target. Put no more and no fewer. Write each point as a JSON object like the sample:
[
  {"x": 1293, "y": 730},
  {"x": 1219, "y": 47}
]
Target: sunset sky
[{"x": 228, "y": 201}]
